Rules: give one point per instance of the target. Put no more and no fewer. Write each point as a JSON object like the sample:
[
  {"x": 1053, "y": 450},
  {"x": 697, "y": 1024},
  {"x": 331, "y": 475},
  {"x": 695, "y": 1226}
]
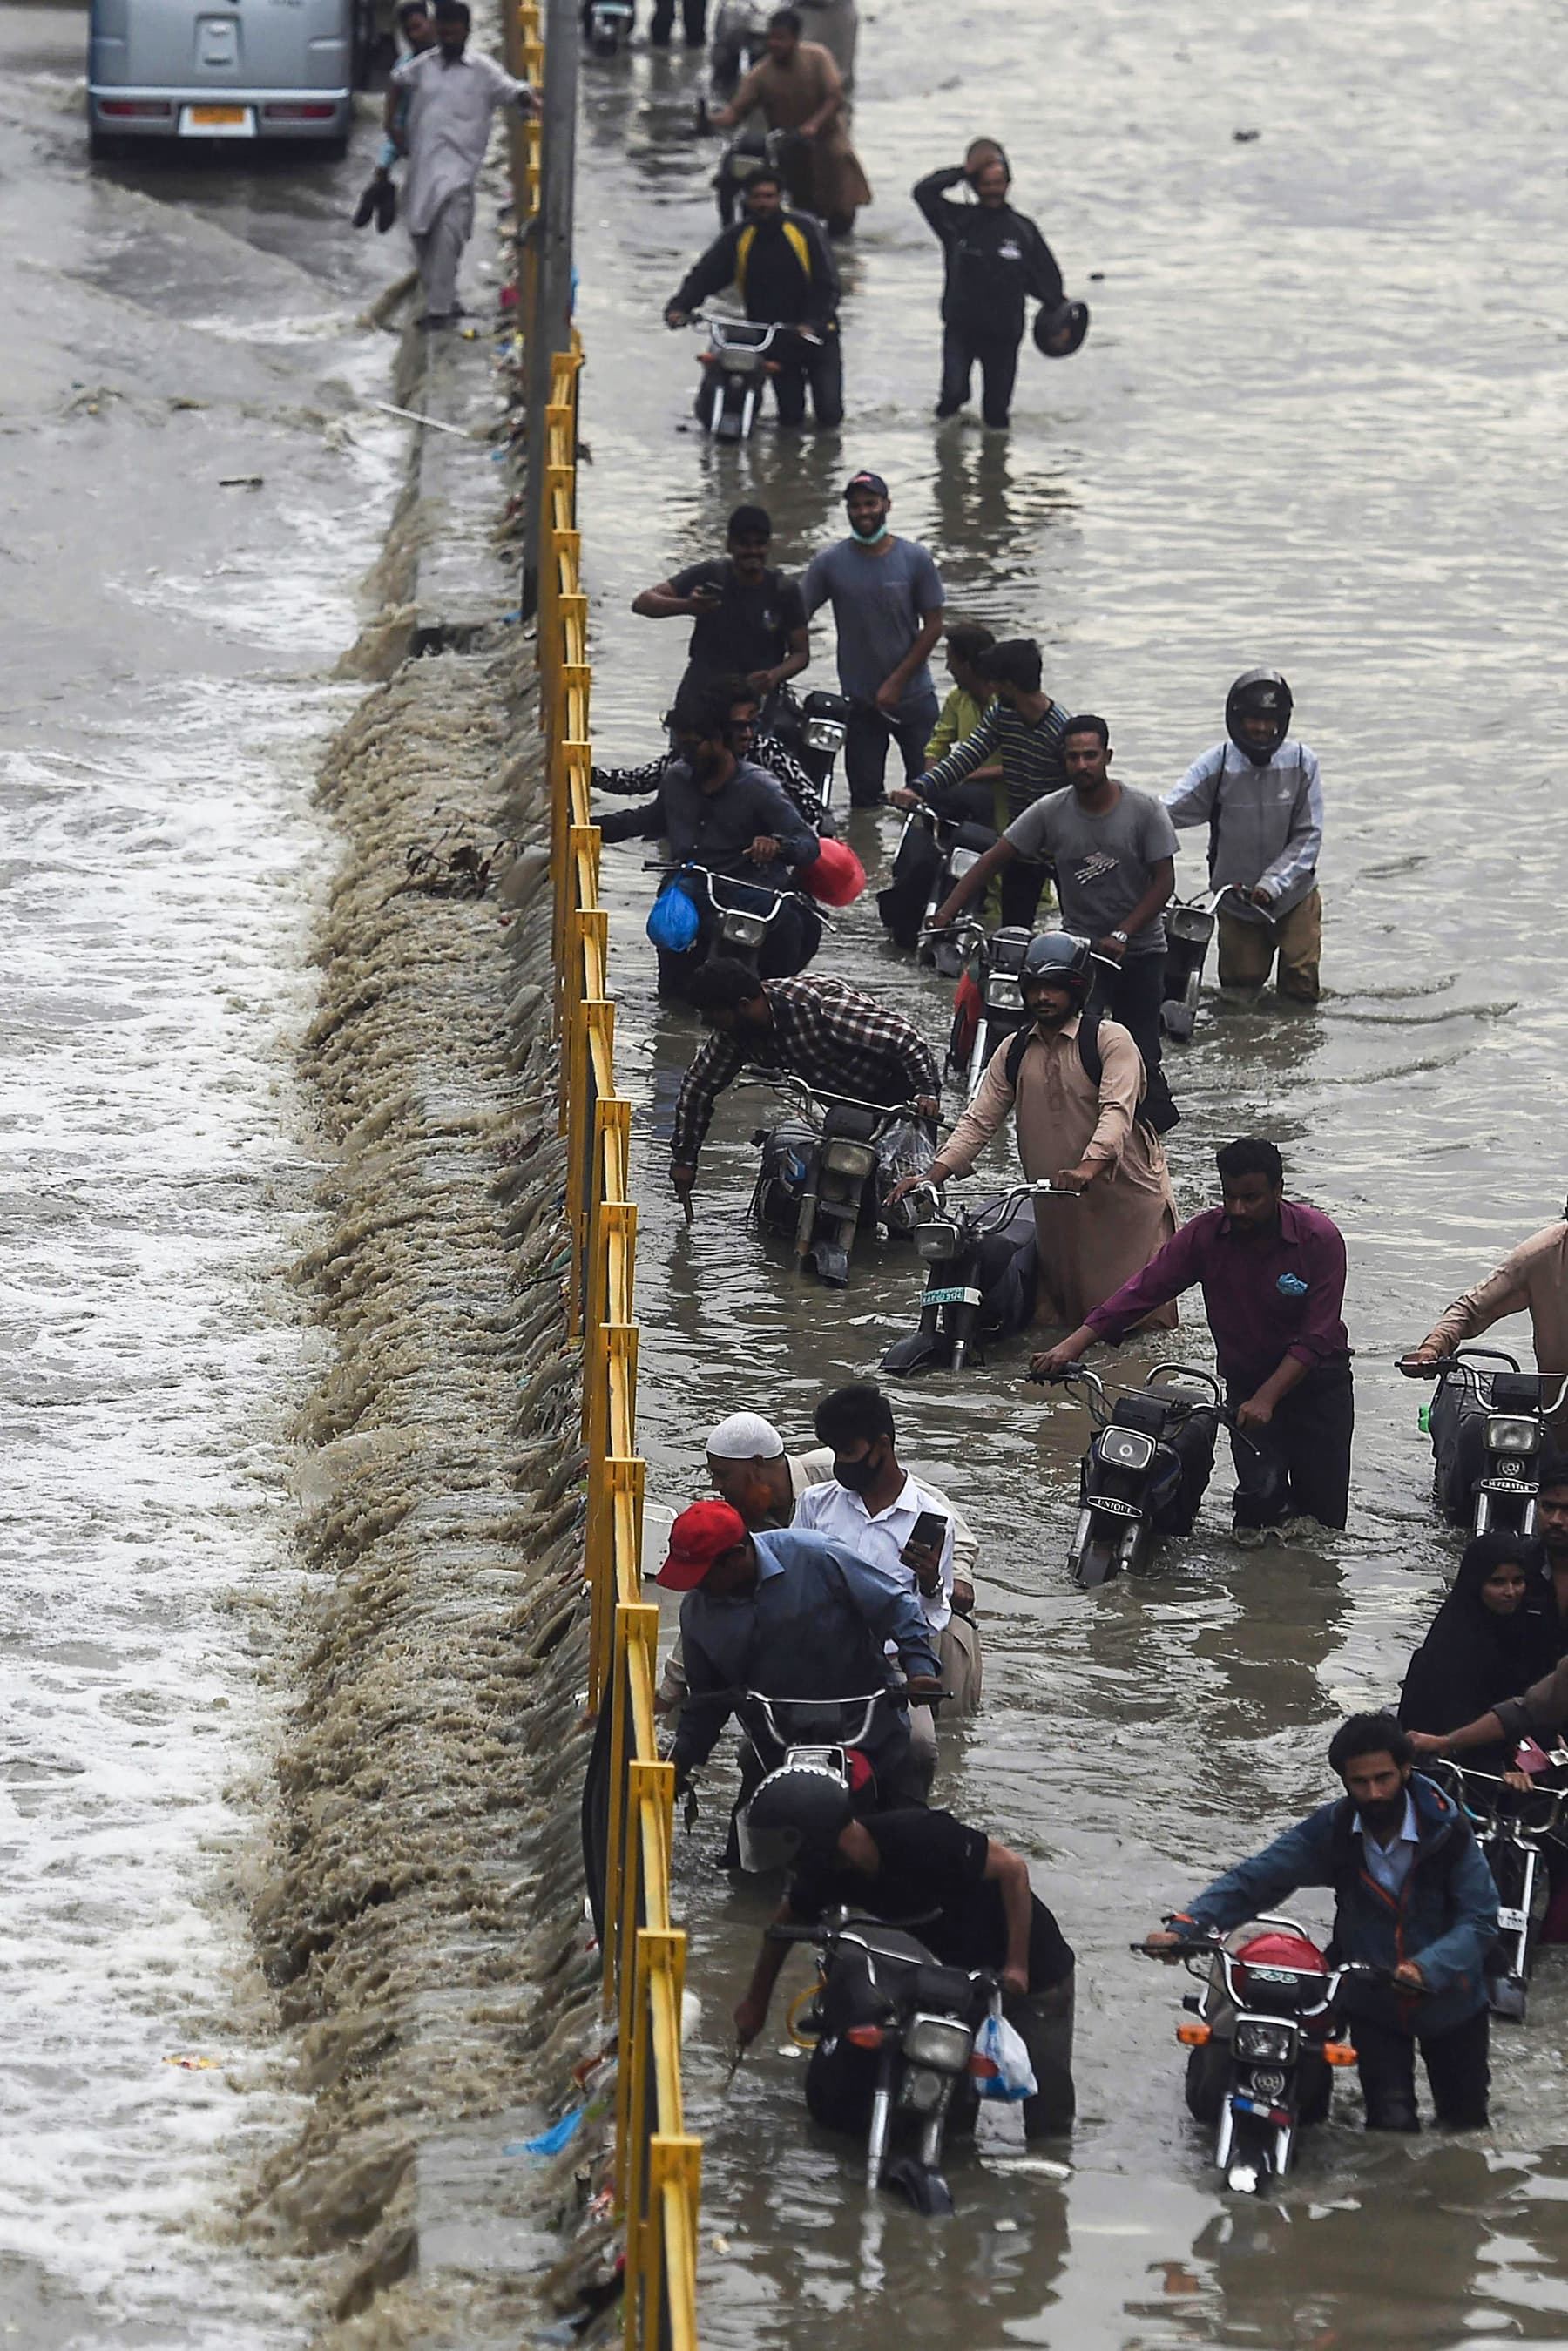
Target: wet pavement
[{"x": 1316, "y": 426}]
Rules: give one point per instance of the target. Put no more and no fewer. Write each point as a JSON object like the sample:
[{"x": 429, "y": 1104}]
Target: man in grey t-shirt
[
  {"x": 887, "y": 602},
  {"x": 1114, "y": 850}
]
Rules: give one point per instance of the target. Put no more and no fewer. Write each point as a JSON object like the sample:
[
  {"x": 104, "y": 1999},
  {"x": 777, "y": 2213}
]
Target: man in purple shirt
[{"x": 1272, "y": 1273}]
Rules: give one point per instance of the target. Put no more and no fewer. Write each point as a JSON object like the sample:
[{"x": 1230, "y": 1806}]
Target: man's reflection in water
[{"x": 990, "y": 516}]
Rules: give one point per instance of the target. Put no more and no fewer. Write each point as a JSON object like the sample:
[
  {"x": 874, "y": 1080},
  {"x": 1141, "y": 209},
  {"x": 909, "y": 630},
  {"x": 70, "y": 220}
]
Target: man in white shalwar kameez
[{"x": 451, "y": 98}]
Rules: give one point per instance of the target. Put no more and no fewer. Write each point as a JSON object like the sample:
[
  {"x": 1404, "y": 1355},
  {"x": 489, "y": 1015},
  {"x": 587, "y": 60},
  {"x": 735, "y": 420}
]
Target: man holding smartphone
[
  {"x": 749, "y": 620},
  {"x": 875, "y": 1509}
]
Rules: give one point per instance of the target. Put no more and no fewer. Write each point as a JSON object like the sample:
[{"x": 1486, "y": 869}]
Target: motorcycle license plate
[
  {"x": 1245, "y": 2106},
  {"x": 1112, "y": 1507},
  {"x": 1511, "y": 1921},
  {"x": 951, "y": 1298}
]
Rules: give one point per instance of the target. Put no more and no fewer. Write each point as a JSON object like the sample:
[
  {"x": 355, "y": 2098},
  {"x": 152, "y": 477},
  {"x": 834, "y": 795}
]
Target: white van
[{"x": 247, "y": 69}]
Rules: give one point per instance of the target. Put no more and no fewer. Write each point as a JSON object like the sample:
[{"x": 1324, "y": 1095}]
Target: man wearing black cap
[
  {"x": 888, "y": 599},
  {"x": 750, "y": 621}
]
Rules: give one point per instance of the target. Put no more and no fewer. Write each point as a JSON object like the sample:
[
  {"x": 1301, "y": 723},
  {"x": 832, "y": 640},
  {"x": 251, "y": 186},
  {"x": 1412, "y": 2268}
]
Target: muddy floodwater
[{"x": 1317, "y": 423}]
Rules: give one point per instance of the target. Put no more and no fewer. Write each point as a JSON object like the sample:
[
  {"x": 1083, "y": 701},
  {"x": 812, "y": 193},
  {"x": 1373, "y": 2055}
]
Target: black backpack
[{"x": 1157, "y": 1112}]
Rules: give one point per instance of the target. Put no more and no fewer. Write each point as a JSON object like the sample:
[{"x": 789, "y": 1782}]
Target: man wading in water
[{"x": 450, "y": 99}]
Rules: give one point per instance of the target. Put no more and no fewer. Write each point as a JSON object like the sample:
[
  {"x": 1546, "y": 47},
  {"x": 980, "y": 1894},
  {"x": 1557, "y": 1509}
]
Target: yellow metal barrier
[{"x": 657, "y": 2161}]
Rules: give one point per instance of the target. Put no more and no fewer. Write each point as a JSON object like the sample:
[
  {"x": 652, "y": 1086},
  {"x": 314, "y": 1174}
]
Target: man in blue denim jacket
[{"x": 1412, "y": 1895}]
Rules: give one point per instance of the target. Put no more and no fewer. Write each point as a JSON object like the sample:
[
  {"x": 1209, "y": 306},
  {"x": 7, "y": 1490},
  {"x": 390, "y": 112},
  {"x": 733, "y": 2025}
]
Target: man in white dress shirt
[{"x": 872, "y": 1506}]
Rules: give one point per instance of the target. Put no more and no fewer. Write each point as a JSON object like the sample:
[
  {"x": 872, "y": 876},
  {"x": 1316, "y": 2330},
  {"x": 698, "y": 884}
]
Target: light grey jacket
[{"x": 1271, "y": 821}]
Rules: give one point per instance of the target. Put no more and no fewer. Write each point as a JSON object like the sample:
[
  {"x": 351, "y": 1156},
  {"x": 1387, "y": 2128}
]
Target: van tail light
[
  {"x": 278, "y": 112},
  {"x": 1195, "y": 2036},
  {"x": 1339, "y": 2053},
  {"x": 122, "y": 107},
  {"x": 866, "y": 2036}
]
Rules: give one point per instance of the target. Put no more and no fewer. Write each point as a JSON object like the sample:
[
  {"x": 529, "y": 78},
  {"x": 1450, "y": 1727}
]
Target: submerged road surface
[{"x": 1317, "y": 423}]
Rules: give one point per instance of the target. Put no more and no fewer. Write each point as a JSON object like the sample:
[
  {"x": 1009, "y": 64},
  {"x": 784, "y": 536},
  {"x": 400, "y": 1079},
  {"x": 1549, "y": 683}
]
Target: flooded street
[
  {"x": 167, "y": 696},
  {"x": 1316, "y": 424}
]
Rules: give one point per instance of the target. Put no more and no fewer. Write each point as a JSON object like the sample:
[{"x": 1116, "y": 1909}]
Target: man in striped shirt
[
  {"x": 1024, "y": 728},
  {"x": 837, "y": 1040}
]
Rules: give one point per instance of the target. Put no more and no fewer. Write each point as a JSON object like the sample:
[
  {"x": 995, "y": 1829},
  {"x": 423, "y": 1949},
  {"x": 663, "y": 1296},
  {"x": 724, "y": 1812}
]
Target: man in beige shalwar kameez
[
  {"x": 1082, "y": 1137},
  {"x": 797, "y": 87}
]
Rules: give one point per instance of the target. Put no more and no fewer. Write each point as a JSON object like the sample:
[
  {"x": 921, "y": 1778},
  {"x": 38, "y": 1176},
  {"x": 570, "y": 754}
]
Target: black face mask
[{"x": 857, "y": 1477}]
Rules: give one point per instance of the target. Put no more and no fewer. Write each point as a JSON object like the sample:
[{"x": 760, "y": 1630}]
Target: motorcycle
[
  {"x": 736, "y": 369},
  {"x": 1190, "y": 924},
  {"x": 893, "y": 2036},
  {"x": 741, "y": 912},
  {"x": 933, "y": 853},
  {"x": 827, "y": 1167},
  {"x": 968, "y": 1252},
  {"x": 608, "y": 23},
  {"x": 814, "y": 730},
  {"x": 741, "y": 161},
  {"x": 1510, "y": 1828},
  {"x": 736, "y": 43},
  {"x": 1262, "y": 2043},
  {"x": 1489, "y": 1432},
  {"x": 1143, "y": 1476},
  {"x": 989, "y": 1006}
]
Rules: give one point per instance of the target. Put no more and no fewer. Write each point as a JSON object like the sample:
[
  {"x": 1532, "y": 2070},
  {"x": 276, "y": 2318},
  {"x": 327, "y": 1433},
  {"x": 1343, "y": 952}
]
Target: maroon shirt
[{"x": 1264, "y": 1299}]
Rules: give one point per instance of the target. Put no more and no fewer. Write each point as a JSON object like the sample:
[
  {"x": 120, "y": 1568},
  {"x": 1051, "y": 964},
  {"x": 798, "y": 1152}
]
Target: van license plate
[
  {"x": 951, "y": 1298},
  {"x": 217, "y": 121},
  {"x": 1511, "y": 1921}
]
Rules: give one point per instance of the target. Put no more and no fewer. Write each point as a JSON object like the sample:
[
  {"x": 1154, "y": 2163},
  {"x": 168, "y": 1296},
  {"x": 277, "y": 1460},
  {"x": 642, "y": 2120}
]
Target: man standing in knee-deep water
[{"x": 451, "y": 98}]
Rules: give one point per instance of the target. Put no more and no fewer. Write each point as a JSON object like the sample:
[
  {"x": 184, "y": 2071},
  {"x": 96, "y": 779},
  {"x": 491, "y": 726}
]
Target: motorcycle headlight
[
  {"x": 963, "y": 861},
  {"x": 1269, "y": 2044},
  {"x": 1506, "y": 1434},
  {"x": 1126, "y": 1448},
  {"x": 744, "y": 930},
  {"x": 936, "y": 1240},
  {"x": 825, "y": 735},
  {"x": 849, "y": 1158},
  {"x": 1003, "y": 993},
  {"x": 937, "y": 2041}
]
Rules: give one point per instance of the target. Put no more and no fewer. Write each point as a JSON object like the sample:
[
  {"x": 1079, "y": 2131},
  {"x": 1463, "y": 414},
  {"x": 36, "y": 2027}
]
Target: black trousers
[
  {"x": 694, "y": 21},
  {"x": 1301, "y": 1467},
  {"x": 1134, "y": 998},
  {"x": 998, "y": 359},
  {"x": 820, "y": 367},
  {"x": 867, "y": 740},
  {"x": 1457, "y": 2068}
]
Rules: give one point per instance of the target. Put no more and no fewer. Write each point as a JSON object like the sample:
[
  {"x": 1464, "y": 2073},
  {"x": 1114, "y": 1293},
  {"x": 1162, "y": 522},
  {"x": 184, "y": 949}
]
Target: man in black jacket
[
  {"x": 780, "y": 263},
  {"x": 993, "y": 257}
]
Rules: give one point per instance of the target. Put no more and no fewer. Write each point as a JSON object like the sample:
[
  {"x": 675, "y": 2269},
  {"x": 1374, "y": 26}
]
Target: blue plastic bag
[
  {"x": 672, "y": 919},
  {"x": 1001, "y": 2063}
]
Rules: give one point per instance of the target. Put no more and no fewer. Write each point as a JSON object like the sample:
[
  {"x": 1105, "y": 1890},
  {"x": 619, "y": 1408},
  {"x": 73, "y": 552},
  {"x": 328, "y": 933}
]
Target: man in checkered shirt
[{"x": 837, "y": 1040}]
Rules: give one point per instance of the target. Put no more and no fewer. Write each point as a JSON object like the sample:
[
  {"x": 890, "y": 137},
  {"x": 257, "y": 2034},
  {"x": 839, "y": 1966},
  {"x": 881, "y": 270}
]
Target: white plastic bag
[{"x": 1002, "y": 2069}]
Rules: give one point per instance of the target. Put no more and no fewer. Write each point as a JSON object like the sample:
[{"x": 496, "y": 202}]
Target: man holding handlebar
[{"x": 1412, "y": 1897}]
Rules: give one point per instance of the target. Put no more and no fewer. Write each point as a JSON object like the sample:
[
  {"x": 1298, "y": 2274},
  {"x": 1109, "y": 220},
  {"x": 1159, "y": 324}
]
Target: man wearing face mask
[
  {"x": 450, "y": 98},
  {"x": 887, "y": 599},
  {"x": 748, "y": 1468}
]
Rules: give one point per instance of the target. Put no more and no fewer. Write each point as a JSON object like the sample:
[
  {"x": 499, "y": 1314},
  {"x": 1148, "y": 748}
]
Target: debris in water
[
  {"x": 241, "y": 481},
  {"x": 194, "y": 2064},
  {"x": 1028, "y": 2167},
  {"x": 1243, "y": 138},
  {"x": 388, "y": 409},
  {"x": 551, "y": 2141},
  {"x": 720, "y": 2244}
]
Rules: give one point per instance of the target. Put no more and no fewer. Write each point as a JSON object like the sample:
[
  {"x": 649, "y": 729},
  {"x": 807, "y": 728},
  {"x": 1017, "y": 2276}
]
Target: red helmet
[
  {"x": 835, "y": 875},
  {"x": 1274, "y": 1949}
]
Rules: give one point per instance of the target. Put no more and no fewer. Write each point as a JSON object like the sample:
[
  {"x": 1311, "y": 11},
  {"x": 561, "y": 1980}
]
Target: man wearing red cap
[{"x": 792, "y": 1616}]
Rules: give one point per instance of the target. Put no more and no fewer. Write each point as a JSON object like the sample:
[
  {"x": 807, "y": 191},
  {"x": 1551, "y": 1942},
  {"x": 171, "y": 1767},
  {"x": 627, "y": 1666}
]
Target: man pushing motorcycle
[{"x": 1413, "y": 1896}]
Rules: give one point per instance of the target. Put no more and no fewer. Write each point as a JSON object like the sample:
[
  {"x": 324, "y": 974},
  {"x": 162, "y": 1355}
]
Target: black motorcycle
[
  {"x": 894, "y": 2053},
  {"x": 1148, "y": 1464},
  {"x": 608, "y": 24},
  {"x": 1512, "y": 1829},
  {"x": 1262, "y": 2043},
  {"x": 736, "y": 917},
  {"x": 828, "y": 1169},
  {"x": 741, "y": 161},
  {"x": 814, "y": 728},
  {"x": 974, "y": 1281},
  {"x": 1489, "y": 1432},
  {"x": 933, "y": 853},
  {"x": 1190, "y": 924},
  {"x": 989, "y": 1006}
]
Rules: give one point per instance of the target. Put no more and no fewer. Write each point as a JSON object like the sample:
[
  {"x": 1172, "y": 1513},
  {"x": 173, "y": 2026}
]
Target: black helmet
[
  {"x": 1059, "y": 332},
  {"x": 805, "y": 1804},
  {"x": 1262, "y": 693},
  {"x": 1060, "y": 958}
]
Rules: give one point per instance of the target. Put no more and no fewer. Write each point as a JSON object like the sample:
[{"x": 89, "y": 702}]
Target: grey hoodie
[{"x": 1271, "y": 821}]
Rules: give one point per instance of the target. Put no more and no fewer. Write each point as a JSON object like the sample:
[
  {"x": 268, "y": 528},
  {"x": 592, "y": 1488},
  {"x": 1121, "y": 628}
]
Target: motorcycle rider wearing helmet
[
  {"x": 781, "y": 264},
  {"x": 793, "y": 1615},
  {"x": 1272, "y": 1273},
  {"x": 964, "y": 1895},
  {"x": 1261, "y": 797},
  {"x": 1412, "y": 1895},
  {"x": 1074, "y": 1085},
  {"x": 837, "y": 1039},
  {"x": 993, "y": 257}
]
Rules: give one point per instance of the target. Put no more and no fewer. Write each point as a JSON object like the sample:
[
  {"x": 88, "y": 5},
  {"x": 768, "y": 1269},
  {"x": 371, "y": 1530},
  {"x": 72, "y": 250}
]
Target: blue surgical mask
[{"x": 869, "y": 537}]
